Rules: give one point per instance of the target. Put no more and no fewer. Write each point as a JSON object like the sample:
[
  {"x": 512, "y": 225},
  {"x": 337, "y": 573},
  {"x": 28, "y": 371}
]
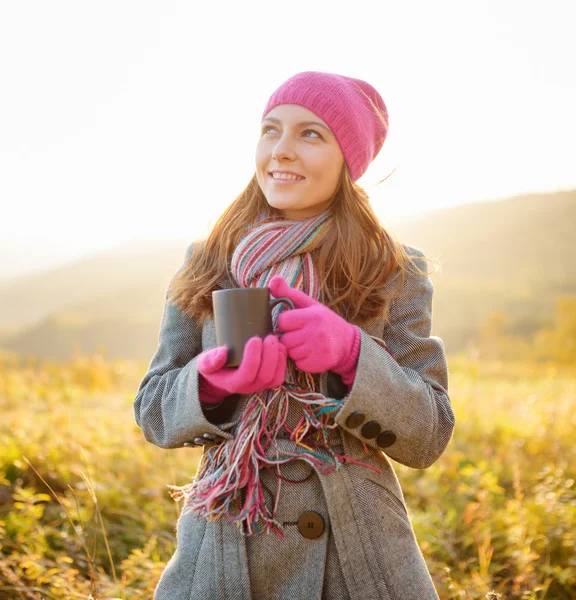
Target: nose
[{"x": 283, "y": 149}]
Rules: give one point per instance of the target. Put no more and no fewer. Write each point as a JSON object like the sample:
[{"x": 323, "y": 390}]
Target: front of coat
[{"x": 368, "y": 549}]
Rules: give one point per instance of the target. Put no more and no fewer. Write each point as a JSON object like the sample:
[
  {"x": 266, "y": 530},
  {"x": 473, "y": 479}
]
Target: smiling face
[{"x": 295, "y": 140}]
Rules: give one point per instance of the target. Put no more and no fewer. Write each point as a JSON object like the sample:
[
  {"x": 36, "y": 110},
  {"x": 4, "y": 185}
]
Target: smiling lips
[{"x": 284, "y": 178}]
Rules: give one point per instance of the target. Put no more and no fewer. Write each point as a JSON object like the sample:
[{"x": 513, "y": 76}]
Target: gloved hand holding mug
[
  {"x": 263, "y": 367},
  {"x": 317, "y": 338}
]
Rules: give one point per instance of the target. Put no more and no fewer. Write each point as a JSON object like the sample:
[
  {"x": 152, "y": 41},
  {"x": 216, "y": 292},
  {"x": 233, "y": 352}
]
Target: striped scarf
[{"x": 227, "y": 480}]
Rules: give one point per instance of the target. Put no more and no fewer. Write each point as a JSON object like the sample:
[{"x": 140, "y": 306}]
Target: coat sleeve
[
  {"x": 167, "y": 406},
  {"x": 405, "y": 392}
]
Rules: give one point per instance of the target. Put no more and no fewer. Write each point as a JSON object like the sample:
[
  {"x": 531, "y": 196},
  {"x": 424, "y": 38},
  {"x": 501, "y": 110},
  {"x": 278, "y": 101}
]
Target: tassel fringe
[{"x": 227, "y": 481}]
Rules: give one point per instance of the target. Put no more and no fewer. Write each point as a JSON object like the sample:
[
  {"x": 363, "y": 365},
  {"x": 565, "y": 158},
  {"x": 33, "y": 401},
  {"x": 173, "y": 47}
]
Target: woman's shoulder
[
  {"x": 414, "y": 266},
  {"x": 192, "y": 247},
  {"x": 412, "y": 250}
]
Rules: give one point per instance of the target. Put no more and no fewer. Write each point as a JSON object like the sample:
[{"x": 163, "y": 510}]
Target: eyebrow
[{"x": 274, "y": 120}]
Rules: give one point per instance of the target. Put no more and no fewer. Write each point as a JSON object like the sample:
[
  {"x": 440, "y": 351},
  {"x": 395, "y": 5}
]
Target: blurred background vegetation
[{"x": 84, "y": 507}]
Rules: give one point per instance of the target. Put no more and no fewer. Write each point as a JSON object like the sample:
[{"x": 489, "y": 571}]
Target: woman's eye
[{"x": 267, "y": 127}]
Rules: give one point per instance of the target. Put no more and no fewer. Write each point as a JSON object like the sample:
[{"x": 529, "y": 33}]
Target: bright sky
[{"x": 125, "y": 119}]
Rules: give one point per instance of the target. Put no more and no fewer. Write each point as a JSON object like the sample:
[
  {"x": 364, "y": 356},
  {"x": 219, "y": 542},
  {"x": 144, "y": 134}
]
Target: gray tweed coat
[{"x": 367, "y": 550}]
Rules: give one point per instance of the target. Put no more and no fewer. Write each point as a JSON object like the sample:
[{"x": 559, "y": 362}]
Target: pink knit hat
[{"x": 345, "y": 105}]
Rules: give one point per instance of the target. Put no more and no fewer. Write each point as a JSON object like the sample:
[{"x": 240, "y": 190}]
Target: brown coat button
[
  {"x": 386, "y": 438},
  {"x": 355, "y": 419},
  {"x": 371, "y": 429},
  {"x": 311, "y": 525}
]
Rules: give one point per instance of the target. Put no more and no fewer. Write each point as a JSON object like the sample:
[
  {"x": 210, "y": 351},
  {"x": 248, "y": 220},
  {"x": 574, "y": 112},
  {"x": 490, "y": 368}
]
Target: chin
[{"x": 279, "y": 205}]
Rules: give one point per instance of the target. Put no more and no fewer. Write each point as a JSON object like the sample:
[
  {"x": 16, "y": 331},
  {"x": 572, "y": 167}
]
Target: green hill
[{"x": 514, "y": 255}]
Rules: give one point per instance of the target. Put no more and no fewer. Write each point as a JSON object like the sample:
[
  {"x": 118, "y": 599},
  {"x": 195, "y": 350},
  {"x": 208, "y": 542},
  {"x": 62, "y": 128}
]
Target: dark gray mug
[{"x": 242, "y": 313}]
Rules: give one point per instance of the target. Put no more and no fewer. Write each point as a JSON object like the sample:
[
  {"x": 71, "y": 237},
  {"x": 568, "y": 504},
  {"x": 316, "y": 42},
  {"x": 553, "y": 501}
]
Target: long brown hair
[{"x": 356, "y": 259}]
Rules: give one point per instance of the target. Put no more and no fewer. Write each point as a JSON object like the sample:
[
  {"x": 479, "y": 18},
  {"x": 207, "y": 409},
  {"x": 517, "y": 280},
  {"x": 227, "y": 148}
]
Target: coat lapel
[
  {"x": 357, "y": 561},
  {"x": 232, "y": 561}
]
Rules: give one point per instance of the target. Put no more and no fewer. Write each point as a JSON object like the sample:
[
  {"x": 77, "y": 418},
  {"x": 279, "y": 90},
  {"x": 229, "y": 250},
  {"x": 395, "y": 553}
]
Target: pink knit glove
[
  {"x": 317, "y": 339},
  {"x": 263, "y": 367}
]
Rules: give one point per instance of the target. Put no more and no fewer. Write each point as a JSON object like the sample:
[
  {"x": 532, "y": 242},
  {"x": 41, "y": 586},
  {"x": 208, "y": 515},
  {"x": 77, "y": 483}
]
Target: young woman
[{"x": 295, "y": 496}]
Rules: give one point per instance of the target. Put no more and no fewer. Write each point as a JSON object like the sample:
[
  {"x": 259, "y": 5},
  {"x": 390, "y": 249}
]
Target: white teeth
[{"x": 285, "y": 176}]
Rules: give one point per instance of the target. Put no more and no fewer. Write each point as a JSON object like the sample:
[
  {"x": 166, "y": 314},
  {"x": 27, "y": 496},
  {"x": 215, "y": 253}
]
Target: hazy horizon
[{"x": 34, "y": 258}]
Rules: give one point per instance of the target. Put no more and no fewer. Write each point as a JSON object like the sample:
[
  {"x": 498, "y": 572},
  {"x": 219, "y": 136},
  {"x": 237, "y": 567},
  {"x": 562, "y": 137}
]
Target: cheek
[
  {"x": 333, "y": 174},
  {"x": 326, "y": 179},
  {"x": 261, "y": 170},
  {"x": 326, "y": 168},
  {"x": 261, "y": 157}
]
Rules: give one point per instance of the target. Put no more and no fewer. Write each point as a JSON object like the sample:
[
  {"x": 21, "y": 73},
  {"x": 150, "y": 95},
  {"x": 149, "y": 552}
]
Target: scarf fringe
[{"x": 230, "y": 470}]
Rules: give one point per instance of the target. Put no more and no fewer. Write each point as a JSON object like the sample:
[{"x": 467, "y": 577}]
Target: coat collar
[{"x": 226, "y": 284}]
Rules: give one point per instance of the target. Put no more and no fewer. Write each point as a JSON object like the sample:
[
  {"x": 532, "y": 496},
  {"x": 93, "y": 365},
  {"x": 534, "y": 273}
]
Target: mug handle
[{"x": 273, "y": 303}]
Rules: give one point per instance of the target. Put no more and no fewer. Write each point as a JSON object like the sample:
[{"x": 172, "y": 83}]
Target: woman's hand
[
  {"x": 263, "y": 367},
  {"x": 317, "y": 339}
]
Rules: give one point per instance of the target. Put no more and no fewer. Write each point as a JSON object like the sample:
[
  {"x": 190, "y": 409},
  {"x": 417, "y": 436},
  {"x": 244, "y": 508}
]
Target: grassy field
[{"x": 85, "y": 511}]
